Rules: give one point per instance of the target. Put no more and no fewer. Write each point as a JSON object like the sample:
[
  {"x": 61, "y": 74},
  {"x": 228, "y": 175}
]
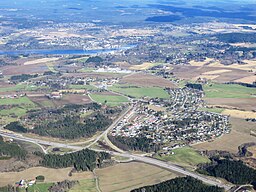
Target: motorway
[{"x": 162, "y": 164}]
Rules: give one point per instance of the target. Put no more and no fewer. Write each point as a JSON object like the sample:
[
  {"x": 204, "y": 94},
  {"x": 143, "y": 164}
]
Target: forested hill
[
  {"x": 84, "y": 160},
  {"x": 8, "y": 150},
  {"x": 181, "y": 184},
  {"x": 233, "y": 171}
]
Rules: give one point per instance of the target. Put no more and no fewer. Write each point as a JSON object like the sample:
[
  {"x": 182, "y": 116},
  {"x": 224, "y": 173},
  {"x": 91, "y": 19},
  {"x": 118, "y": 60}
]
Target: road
[
  {"x": 162, "y": 164},
  {"x": 148, "y": 160},
  {"x": 105, "y": 133}
]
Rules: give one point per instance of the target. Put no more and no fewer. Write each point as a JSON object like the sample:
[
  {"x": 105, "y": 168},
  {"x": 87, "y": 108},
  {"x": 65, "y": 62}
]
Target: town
[{"x": 172, "y": 122}]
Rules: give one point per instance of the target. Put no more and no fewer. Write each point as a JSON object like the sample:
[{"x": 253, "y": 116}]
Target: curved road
[
  {"x": 148, "y": 160},
  {"x": 165, "y": 165}
]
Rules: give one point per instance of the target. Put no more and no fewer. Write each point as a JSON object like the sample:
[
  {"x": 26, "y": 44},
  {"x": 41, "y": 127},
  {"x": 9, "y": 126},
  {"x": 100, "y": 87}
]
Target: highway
[
  {"x": 105, "y": 133},
  {"x": 148, "y": 160}
]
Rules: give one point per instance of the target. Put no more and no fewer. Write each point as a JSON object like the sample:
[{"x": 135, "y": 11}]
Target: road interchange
[{"x": 118, "y": 152}]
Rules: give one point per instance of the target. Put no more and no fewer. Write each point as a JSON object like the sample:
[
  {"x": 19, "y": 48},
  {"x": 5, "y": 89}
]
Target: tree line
[
  {"x": 71, "y": 127},
  {"x": 84, "y": 160},
  {"x": 11, "y": 150},
  {"x": 135, "y": 143},
  {"x": 180, "y": 184},
  {"x": 233, "y": 171},
  {"x": 22, "y": 77}
]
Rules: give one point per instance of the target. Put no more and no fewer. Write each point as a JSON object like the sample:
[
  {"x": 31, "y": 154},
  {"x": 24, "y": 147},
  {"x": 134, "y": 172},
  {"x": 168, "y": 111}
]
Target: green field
[
  {"x": 228, "y": 91},
  {"x": 18, "y": 107},
  {"x": 213, "y": 110},
  {"x": 17, "y": 111},
  {"x": 185, "y": 156},
  {"x": 111, "y": 100},
  {"x": 87, "y": 185},
  {"x": 20, "y": 87},
  {"x": 17, "y": 101},
  {"x": 139, "y": 92},
  {"x": 40, "y": 187},
  {"x": 51, "y": 67}
]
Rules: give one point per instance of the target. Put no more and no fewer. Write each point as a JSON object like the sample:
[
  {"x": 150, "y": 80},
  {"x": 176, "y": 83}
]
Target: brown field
[
  {"x": 43, "y": 101},
  {"x": 156, "y": 108},
  {"x": 239, "y": 114},
  {"x": 240, "y": 134},
  {"x": 143, "y": 66},
  {"x": 253, "y": 151},
  {"x": 146, "y": 80},
  {"x": 107, "y": 93},
  {"x": 51, "y": 175},
  {"x": 38, "y": 61},
  {"x": 200, "y": 64},
  {"x": 22, "y": 69},
  {"x": 209, "y": 77},
  {"x": 123, "y": 64},
  {"x": 250, "y": 65},
  {"x": 249, "y": 79},
  {"x": 225, "y": 74},
  {"x": 127, "y": 176},
  {"x": 215, "y": 72},
  {"x": 239, "y": 103}
]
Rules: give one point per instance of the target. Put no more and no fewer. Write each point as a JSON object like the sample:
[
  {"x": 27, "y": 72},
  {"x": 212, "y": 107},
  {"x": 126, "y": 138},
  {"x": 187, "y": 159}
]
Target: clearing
[
  {"x": 185, "y": 156},
  {"x": 85, "y": 185}
]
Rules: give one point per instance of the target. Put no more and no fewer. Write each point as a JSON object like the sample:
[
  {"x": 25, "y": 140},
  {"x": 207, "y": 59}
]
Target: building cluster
[{"x": 177, "y": 120}]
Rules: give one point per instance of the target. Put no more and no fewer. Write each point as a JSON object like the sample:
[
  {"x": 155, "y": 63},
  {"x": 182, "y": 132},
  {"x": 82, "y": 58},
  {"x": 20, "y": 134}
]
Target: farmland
[
  {"x": 138, "y": 92},
  {"x": 51, "y": 175},
  {"x": 228, "y": 91},
  {"x": 19, "y": 87},
  {"x": 42, "y": 187},
  {"x": 85, "y": 185},
  {"x": 185, "y": 156},
  {"x": 144, "y": 66},
  {"x": 146, "y": 80},
  {"x": 111, "y": 100},
  {"x": 127, "y": 176},
  {"x": 213, "y": 109},
  {"x": 17, "y": 101}
]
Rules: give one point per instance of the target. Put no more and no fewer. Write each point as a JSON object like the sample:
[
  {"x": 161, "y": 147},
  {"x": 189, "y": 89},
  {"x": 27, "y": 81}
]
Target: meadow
[
  {"x": 85, "y": 185},
  {"x": 19, "y": 87},
  {"x": 228, "y": 91},
  {"x": 110, "y": 100},
  {"x": 17, "y": 101},
  {"x": 126, "y": 176},
  {"x": 185, "y": 156}
]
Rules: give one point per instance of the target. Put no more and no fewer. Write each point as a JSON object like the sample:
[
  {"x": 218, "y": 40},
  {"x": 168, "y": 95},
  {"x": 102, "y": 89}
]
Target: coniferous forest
[
  {"x": 84, "y": 160},
  {"x": 180, "y": 184}
]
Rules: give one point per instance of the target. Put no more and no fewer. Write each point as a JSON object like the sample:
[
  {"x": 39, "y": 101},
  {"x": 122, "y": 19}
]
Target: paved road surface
[{"x": 148, "y": 160}]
